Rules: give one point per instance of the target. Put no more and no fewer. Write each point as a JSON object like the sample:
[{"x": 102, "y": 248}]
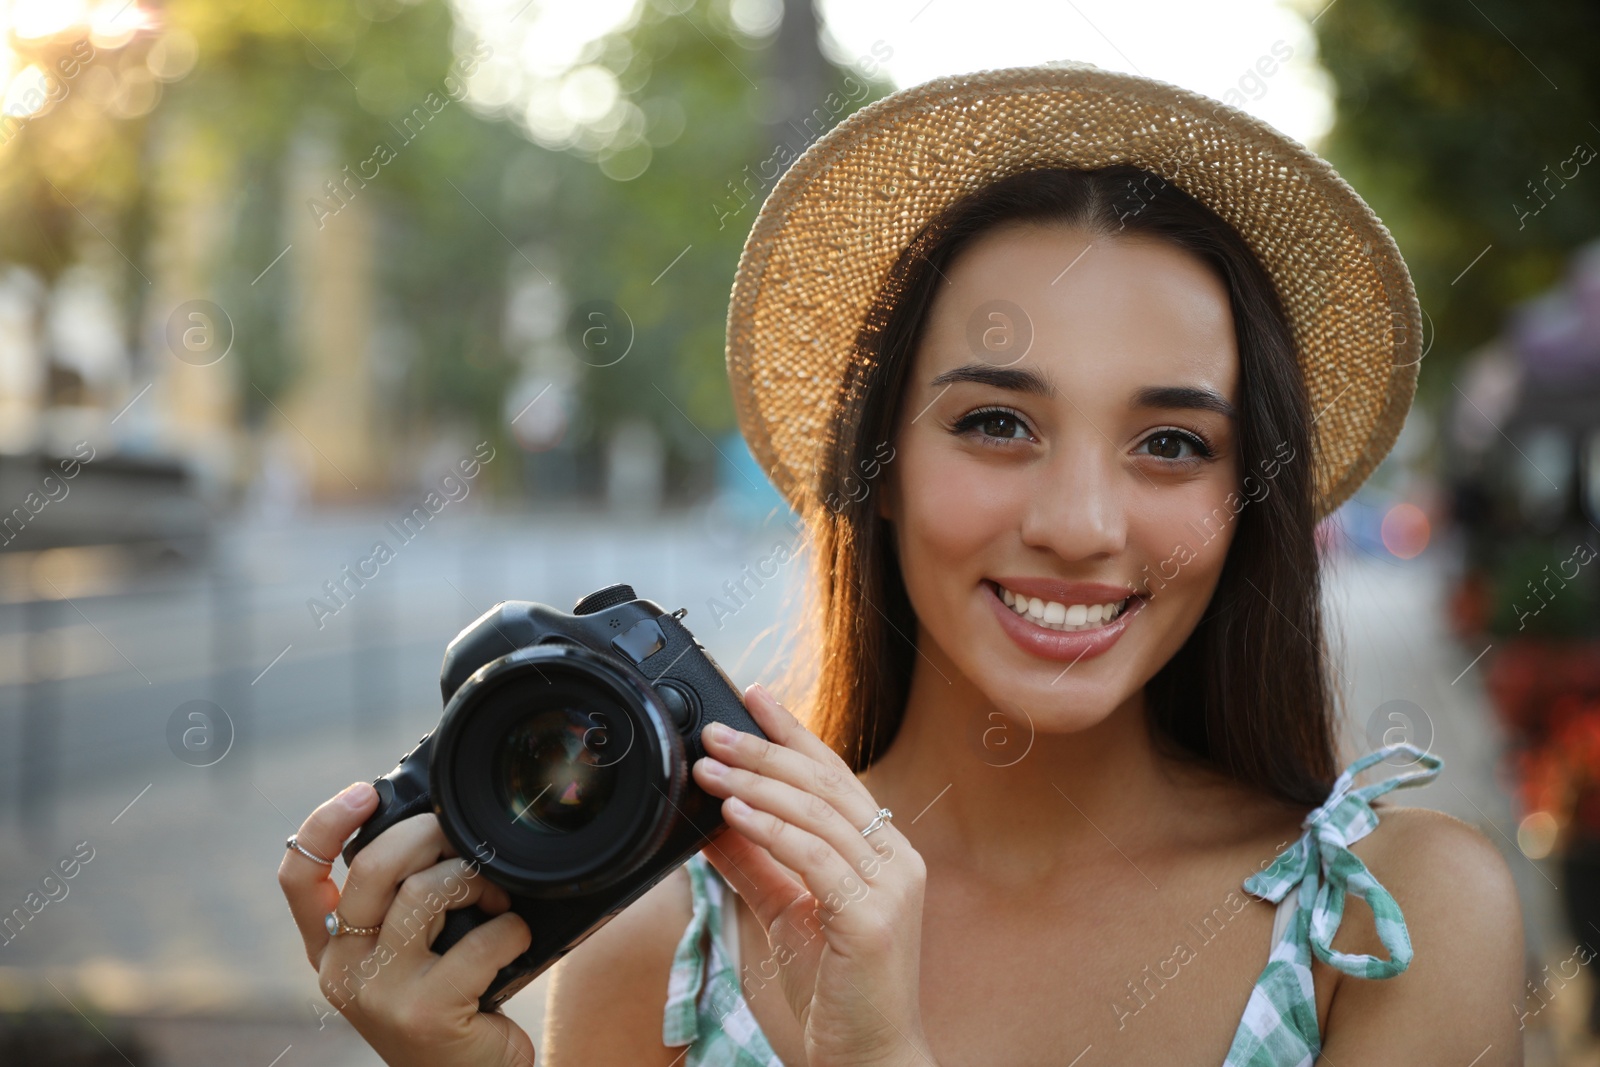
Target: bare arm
[
  {"x": 606, "y": 996},
  {"x": 1457, "y": 1002}
]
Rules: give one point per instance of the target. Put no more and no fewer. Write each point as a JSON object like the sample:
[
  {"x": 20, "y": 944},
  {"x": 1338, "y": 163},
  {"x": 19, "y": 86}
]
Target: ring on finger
[
  {"x": 793, "y": 804},
  {"x": 881, "y": 817},
  {"x": 295, "y": 844},
  {"x": 336, "y": 925}
]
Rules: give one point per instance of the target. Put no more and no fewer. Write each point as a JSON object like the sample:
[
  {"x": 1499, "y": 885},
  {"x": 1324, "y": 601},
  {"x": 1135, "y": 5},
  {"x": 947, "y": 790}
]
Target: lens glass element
[{"x": 553, "y": 770}]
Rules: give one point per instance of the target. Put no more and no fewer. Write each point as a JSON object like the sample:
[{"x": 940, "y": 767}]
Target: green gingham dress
[{"x": 706, "y": 1011}]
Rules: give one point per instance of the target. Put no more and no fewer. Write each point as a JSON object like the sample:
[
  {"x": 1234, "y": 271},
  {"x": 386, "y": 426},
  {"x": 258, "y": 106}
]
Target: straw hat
[{"x": 835, "y": 223}]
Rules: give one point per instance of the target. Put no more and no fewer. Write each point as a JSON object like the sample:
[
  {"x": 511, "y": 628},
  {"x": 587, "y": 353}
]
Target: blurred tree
[
  {"x": 464, "y": 205},
  {"x": 1471, "y": 130},
  {"x": 267, "y": 76},
  {"x": 723, "y": 115},
  {"x": 69, "y": 167},
  {"x": 355, "y": 74}
]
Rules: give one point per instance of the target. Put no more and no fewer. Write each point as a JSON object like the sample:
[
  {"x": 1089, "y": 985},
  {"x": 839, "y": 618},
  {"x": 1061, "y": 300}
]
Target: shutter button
[{"x": 679, "y": 705}]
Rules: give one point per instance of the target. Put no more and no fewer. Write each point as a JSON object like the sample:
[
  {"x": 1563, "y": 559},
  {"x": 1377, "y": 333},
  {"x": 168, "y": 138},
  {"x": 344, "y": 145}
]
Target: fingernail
[
  {"x": 713, "y": 767},
  {"x": 719, "y": 732},
  {"x": 735, "y": 806},
  {"x": 356, "y": 794},
  {"x": 761, "y": 690}
]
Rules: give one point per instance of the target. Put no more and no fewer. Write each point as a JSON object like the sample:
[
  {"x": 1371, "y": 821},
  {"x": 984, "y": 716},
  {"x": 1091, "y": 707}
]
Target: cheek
[
  {"x": 1183, "y": 535},
  {"x": 951, "y": 514}
]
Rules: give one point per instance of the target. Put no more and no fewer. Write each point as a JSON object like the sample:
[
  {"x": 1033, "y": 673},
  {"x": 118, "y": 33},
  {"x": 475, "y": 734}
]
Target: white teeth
[{"x": 1065, "y": 617}]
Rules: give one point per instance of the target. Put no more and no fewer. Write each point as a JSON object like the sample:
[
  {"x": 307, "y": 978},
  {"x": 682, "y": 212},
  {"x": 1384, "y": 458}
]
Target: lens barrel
[{"x": 558, "y": 768}]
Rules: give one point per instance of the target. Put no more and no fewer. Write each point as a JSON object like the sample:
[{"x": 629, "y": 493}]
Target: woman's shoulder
[
  {"x": 1462, "y": 917},
  {"x": 607, "y": 996},
  {"x": 1449, "y": 871},
  {"x": 1410, "y": 834}
]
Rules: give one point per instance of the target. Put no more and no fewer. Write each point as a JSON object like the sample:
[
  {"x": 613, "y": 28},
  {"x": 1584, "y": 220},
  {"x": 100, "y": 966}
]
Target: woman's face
[{"x": 1065, "y": 457}]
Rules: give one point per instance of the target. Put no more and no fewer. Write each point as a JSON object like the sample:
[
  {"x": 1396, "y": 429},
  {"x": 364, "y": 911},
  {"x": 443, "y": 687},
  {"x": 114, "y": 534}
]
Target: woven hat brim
[{"x": 826, "y": 237}]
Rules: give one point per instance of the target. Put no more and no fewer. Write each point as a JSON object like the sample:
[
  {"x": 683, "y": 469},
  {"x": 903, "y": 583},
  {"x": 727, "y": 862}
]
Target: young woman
[{"x": 1061, "y": 367}]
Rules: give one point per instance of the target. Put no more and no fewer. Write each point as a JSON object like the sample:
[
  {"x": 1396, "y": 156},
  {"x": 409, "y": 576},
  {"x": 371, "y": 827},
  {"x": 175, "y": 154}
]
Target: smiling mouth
[{"x": 1066, "y": 618}]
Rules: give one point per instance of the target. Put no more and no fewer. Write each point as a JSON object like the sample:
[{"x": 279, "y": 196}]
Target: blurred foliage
[
  {"x": 1546, "y": 589},
  {"x": 622, "y": 242},
  {"x": 267, "y": 75},
  {"x": 76, "y": 155},
  {"x": 463, "y": 211},
  {"x": 622, "y": 236},
  {"x": 1455, "y": 122},
  {"x": 347, "y": 74}
]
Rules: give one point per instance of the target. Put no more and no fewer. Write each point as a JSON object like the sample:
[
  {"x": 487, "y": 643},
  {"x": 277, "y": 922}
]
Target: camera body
[{"x": 560, "y": 764}]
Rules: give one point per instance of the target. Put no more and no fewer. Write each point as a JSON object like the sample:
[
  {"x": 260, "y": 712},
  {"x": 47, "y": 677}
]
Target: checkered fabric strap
[{"x": 1327, "y": 872}]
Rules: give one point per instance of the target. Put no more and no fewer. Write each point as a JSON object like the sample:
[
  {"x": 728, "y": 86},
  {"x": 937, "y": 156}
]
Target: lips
[{"x": 1047, "y": 633}]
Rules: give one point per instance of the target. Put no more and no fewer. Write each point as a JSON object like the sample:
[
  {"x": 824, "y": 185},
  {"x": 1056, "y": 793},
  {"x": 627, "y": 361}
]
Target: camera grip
[{"x": 402, "y": 793}]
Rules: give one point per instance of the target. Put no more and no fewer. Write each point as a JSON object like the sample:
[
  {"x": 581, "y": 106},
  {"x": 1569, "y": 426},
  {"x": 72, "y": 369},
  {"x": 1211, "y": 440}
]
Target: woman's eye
[
  {"x": 1170, "y": 445},
  {"x": 994, "y": 424}
]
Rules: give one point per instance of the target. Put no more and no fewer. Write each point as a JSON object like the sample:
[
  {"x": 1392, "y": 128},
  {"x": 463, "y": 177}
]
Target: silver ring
[
  {"x": 883, "y": 816},
  {"x": 307, "y": 853},
  {"x": 335, "y": 925}
]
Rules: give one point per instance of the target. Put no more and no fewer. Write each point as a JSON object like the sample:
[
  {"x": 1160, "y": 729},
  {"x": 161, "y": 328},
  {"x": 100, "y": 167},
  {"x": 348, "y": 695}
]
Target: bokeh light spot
[
  {"x": 1536, "y": 835},
  {"x": 1405, "y": 531}
]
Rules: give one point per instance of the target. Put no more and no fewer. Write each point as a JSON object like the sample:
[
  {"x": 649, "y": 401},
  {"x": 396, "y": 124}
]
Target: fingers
[
  {"x": 409, "y": 846},
  {"x": 414, "y": 920},
  {"x": 308, "y": 885},
  {"x": 829, "y": 779},
  {"x": 832, "y": 784},
  {"x": 471, "y": 963},
  {"x": 827, "y": 874},
  {"x": 782, "y": 727},
  {"x": 807, "y": 811}
]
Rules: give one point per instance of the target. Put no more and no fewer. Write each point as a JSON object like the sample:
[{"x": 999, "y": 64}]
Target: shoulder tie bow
[{"x": 1327, "y": 872}]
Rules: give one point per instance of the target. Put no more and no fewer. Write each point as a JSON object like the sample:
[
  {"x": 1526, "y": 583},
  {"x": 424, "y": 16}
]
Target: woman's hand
[
  {"x": 846, "y": 934},
  {"x": 412, "y": 1006}
]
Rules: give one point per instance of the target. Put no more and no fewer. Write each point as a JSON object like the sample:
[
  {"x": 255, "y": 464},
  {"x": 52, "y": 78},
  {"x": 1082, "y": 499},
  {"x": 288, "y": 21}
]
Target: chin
[
  {"x": 1011, "y": 715},
  {"x": 1058, "y": 706}
]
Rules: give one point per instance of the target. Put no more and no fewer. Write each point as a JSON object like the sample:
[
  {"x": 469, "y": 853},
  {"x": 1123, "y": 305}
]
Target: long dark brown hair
[{"x": 1246, "y": 693}]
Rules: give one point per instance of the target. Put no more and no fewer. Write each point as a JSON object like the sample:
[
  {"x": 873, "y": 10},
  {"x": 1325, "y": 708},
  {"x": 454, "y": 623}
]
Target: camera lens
[
  {"x": 560, "y": 764},
  {"x": 551, "y": 769}
]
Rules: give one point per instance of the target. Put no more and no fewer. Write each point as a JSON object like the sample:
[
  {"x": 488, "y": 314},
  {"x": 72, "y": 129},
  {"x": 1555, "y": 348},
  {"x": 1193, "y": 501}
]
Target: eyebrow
[
  {"x": 1183, "y": 396},
  {"x": 1015, "y": 379},
  {"x": 1030, "y": 381}
]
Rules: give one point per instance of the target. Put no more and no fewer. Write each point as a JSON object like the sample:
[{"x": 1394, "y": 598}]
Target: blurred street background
[{"x": 283, "y": 281}]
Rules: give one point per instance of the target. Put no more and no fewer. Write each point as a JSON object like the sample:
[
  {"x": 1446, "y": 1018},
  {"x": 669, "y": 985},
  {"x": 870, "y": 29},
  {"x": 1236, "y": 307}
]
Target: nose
[{"x": 1077, "y": 507}]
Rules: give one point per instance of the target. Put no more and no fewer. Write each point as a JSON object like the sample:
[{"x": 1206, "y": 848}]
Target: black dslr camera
[{"x": 561, "y": 764}]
